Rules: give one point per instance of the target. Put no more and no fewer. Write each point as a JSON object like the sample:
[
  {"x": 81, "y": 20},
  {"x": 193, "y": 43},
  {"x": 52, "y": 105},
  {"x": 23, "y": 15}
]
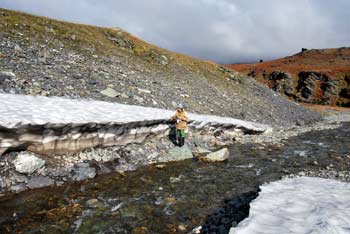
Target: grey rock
[
  {"x": 94, "y": 203},
  {"x": 104, "y": 169},
  {"x": 144, "y": 91},
  {"x": 92, "y": 82},
  {"x": 177, "y": 154},
  {"x": 27, "y": 163},
  {"x": 18, "y": 188},
  {"x": 138, "y": 99},
  {"x": 123, "y": 95},
  {"x": 109, "y": 92},
  {"x": 18, "y": 49},
  {"x": 218, "y": 156},
  {"x": 83, "y": 171},
  {"x": 283, "y": 82},
  {"x": 4, "y": 182},
  {"x": 5, "y": 75},
  {"x": 202, "y": 150},
  {"x": 39, "y": 182},
  {"x": 174, "y": 104},
  {"x": 164, "y": 60},
  {"x": 18, "y": 178},
  {"x": 8, "y": 83}
]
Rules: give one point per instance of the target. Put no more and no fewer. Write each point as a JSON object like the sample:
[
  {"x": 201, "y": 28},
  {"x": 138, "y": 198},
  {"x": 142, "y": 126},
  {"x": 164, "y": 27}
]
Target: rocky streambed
[{"x": 181, "y": 197}]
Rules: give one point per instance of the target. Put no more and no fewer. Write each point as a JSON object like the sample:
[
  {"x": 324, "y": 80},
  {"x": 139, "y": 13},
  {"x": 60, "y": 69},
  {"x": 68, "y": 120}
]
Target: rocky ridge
[{"x": 318, "y": 76}]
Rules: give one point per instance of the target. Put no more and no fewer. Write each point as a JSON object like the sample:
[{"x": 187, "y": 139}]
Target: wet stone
[
  {"x": 83, "y": 171},
  {"x": 18, "y": 188},
  {"x": 177, "y": 154},
  {"x": 39, "y": 182},
  {"x": 94, "y": 203}
]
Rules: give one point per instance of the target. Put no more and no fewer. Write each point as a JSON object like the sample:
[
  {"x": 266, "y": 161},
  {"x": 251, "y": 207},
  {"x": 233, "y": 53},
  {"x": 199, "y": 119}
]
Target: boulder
[
  {"x": 218, "y": 156},
  {"x": 177, "y": 154},
  {"x": 27, "y": 163}
]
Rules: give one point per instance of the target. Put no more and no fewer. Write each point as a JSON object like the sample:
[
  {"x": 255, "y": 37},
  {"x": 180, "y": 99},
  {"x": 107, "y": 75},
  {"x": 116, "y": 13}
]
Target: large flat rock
[{"x": 177, "y": 154}]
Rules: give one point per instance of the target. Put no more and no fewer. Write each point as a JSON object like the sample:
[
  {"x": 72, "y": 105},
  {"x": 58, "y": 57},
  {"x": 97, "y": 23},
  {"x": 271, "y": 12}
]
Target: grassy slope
[
  {"x": 95, "y": 39},
  {"x": 332, "y": 62}
]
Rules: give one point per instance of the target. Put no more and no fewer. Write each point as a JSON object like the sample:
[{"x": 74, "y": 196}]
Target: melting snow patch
[
  {"x": 301, "y": 205},
  {"x": 15, "y": 109}
]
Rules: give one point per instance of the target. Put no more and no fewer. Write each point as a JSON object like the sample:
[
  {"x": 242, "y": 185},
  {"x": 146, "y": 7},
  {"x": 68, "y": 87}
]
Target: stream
[{"x": 173, "y": 199}]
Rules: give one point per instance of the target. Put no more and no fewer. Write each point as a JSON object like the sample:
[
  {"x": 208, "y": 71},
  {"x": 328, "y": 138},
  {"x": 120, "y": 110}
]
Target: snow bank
[
  {"x": 20, "y": 109},
  {"x": 60, "y": 125},
  {"x": 299, "y": 206}
]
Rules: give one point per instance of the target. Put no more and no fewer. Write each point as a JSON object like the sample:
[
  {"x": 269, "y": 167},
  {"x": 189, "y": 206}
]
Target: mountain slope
[
  {"x": 52, "y": 58},
  {"x": 312, "y": 76}
]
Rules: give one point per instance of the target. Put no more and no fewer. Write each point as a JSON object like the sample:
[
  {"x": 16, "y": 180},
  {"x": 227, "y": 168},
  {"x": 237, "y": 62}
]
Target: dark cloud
[{"x": 221, "y": 30}]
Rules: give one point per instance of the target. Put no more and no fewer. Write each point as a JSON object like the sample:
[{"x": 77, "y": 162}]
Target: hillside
[
  {"x": 40, "y": 56},
  {"x": 312, "y": 76}
]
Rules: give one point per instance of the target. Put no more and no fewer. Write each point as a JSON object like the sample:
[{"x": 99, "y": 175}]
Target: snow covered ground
[
  {"x": 15, "y": 109},
  {"x": 299, "y": 206}
]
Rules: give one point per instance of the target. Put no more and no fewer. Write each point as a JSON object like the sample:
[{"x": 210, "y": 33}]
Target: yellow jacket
[{"x": 182, "y": 118}]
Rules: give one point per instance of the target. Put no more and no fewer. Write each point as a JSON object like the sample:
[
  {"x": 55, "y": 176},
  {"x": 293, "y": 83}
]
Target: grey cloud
[{"x": 221, "y": 30}]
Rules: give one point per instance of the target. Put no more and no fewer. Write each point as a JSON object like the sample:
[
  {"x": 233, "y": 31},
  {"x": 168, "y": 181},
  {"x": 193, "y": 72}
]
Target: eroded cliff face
[
  {"x": 311, "y": 87},
  {"x": 312, "y": 76},
  {"x": 35, "y": 156},
  {"x": 60, "y": 139}
]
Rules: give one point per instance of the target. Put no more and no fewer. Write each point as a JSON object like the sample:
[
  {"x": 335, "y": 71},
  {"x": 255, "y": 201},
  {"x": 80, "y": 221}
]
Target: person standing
[{"x": 181, "y": 119}]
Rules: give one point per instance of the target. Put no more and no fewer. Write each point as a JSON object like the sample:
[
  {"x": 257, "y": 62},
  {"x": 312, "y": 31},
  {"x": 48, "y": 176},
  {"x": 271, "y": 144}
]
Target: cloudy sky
[{"x": 221, "y": 30}]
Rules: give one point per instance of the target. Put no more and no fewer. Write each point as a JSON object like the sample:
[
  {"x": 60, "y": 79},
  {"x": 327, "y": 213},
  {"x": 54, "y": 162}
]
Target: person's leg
[
  {"x": 178, "y": 137},
  {"x": 182, "y": 137},
  {"x": 182, "y": 141}
]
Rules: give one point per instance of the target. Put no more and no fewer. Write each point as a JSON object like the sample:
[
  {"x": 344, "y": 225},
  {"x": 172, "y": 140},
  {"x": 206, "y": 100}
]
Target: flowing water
[{"x": 174, "y": 199}]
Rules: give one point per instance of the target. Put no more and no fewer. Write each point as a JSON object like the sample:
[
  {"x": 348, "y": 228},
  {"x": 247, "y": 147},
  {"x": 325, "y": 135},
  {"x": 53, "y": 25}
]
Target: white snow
[
  {"x": 15, "y": 109},
  {"x": 300, "y": 206}
]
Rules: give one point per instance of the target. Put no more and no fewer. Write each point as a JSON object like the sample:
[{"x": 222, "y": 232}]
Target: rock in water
[
  {"x": 177, "y": 154},
  {"x": 18, "y": 188},
  {"x": 94, "y": 203},
  {"x": 83, "y": 171},
  {"x": 27, "y": 163},
  {"x": 39, "y": 182},
  {"x": 218, "y": 156}
]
